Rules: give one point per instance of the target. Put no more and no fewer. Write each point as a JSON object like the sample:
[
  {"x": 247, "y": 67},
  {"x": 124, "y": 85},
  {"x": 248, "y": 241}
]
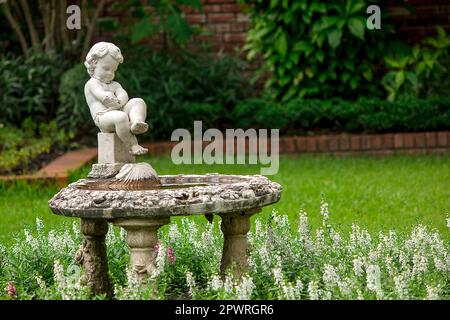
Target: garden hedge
[{"x": 336, "y": 115}]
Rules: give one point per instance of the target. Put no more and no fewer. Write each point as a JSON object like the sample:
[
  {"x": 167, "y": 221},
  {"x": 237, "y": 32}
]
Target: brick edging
[
  {"x": 58, "y": 170},
  {"x": 338, "y": 144},
  {"x": 349, "y": 144}
]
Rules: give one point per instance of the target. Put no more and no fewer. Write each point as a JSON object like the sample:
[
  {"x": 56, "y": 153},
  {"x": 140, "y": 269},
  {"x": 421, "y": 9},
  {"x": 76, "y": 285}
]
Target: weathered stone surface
[
  {"x": 142, "y": 237},
  {"x": 104, "y": 170},
  {"x": 213, "y": 193},
  {"x": 234, "y": 254},
  {"x": 92, "y": 256},
  {"x": 112, "y": 150}
]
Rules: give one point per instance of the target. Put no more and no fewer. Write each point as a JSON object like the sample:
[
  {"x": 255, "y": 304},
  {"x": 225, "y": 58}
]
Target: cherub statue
[{"x": 108, "y": 102}]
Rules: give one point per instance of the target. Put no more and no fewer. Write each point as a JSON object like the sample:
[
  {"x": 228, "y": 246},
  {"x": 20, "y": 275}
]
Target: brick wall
[
  {"x": 419, "y": 18},
  {"x": 349, "y": 144},
  {"x": 228, "y": 22}
]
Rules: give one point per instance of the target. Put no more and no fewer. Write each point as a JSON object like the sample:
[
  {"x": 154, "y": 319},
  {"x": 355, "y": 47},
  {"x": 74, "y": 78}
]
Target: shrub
[
  {"x": 28, "y": 88},
  {"x": 419, "y": 71},
  {"x": 21, "y": 148},
  {"x": 364, "y": 115},
  {"x": 313, "y": 49},
  {"x": 73, "y": 112}
]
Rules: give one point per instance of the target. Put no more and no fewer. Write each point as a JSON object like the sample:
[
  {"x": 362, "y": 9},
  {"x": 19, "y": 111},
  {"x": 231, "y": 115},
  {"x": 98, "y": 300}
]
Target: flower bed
[{"x": 320, "y": 264}]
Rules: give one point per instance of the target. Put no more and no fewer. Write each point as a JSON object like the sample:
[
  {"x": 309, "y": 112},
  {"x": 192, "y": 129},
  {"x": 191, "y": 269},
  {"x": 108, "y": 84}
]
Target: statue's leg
[
  {"x": 118, "y": 120},
  {"x": 137, "y": 112}
]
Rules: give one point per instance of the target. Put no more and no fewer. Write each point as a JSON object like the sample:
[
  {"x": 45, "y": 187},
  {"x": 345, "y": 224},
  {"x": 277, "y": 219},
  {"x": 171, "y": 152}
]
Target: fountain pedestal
[
  {"x": 142, "y": 237},
  {"x": 144, "y": 209},
  {"x": 92, "y": 256},
  {"x": 235, "y": 228}
]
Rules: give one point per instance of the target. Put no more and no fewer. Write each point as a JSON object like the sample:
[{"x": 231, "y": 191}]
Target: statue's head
[{"x": 102, "y": 61}]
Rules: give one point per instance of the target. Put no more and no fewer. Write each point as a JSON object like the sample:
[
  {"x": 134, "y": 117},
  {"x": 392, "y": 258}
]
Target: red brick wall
[
  {"x": 225, "y": 20},
  {"x": 228, "y": 22},
  {"x": 419, "y": 18}
]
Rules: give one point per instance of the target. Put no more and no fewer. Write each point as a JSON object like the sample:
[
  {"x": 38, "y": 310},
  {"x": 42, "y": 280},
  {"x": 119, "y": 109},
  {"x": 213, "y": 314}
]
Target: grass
[{"x": 376, "y": 193}]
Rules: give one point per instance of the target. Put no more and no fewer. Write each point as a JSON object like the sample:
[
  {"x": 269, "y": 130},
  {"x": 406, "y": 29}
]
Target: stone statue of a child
[{"x": 108, "y": 102}]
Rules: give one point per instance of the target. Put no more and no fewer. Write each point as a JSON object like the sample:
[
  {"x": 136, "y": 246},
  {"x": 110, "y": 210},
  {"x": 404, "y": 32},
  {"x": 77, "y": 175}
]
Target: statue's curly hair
[{"x": 99, "y": 50}]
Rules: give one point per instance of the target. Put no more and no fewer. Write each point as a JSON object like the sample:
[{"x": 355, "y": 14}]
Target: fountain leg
[
  {"x": 92, "y": 255},
  {"x": 142, "y": 237},
  {"x": 235, "y": 228}
]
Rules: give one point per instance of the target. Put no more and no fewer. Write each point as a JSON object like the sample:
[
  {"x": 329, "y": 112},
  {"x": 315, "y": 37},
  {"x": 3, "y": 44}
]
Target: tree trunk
[
  {"x": 91, "y": 28},
  {"x": 35, "y": 42},
  {"x": 15, "y": 26}
]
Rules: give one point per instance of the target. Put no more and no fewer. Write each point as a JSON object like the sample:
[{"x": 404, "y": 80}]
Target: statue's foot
[
  {"x": 138, "y": 150},
  {"x": 139, "y": 127}
]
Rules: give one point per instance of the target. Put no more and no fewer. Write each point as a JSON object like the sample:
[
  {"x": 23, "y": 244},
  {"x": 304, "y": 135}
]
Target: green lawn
[{"x": 377, "y": 193}]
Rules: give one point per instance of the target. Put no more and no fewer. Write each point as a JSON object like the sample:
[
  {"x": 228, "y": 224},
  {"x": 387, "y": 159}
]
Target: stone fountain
[{"x": 131, "y": 195}]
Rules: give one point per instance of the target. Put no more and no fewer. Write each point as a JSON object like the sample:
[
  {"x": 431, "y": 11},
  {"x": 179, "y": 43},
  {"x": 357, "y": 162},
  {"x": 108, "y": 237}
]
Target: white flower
[
  {"x": 303, "y": 227},
  {"x": 278, "y": 275},
  {"x": 75, "y": 230},
  {"x": 313, "y": 290},
  {"x": 432, "y": 293},
  {"x": 216, "y": 283},
  {"x": 281, "y": 221},
  {"x": 174, "y": 233},
  {"x": 40, "y": 282},
  {"x": 264, "y": 256},
  {"x": 401, "y": 286},
  {"x": 39, "y": 225},
  {"x": 58, "y": 274},
  {"x": 132, "y": 292},
  {"x": 324, "y": 212},
  {"x": 420, "y": 263},
  {"x": 337, "y": 240},
  {"x": 191, "y": 283},
  {"x": 123, "y": 234},
  {"x": 358, "y": 266},
  {"x": 298, "y": 287},
  {"x": 320, "y": 240},
  {"x": 228, "y": 284},
  {"x": 373, "y": 278},
  {"x": 345, "y": 287},
  {"x": 330, "y": 276},
  {"x": 160, "y": 261},
  {"x": 245, "y": 288}
]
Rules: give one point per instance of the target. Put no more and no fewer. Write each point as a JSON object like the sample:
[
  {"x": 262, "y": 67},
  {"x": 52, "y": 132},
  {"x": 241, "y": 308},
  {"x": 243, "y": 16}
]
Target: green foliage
[
  {"x": 313, "y": 49},
  {"x": 165, "y": 17},
  {"x": 28, "y": 87},
  {"x": 364, "y": 115},
  {"x": 178, "y": 89},
  {"x": 419, "y": 71},
  {"x": 20, "y": 147},
  {"x": 73, "y": 112}
]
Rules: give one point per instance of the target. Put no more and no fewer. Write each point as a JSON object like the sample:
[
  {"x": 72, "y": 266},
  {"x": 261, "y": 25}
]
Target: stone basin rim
[{"x": 245, "y": 193}]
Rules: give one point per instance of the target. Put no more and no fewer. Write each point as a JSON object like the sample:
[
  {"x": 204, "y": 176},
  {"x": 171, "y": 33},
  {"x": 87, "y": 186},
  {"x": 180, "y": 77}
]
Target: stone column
[
  {"x": 235, "y": 227},
  {"x": 92, "y": 256},
  {"x": 142, "y": 237}
]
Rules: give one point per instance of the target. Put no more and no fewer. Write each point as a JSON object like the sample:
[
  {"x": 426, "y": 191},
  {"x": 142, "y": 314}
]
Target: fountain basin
[{"x": 177, "y": 195}]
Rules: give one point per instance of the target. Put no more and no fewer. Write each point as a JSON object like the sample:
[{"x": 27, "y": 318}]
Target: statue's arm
[
  {"x": 122, "y": 95},
  {"x": 98, "y": 92}
]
